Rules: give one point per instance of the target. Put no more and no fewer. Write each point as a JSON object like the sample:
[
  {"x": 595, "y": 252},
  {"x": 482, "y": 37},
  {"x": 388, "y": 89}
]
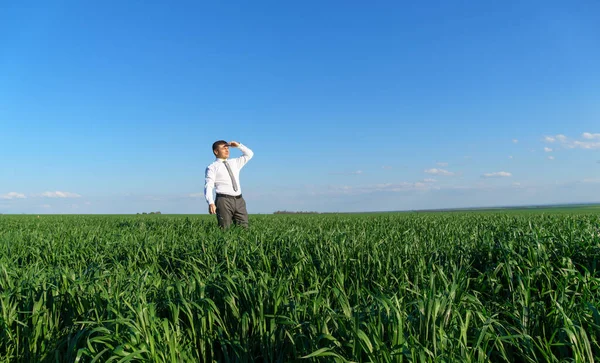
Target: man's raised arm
[{"x": 247, "y": 154}]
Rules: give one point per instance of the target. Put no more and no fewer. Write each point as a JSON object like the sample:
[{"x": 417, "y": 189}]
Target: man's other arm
[{"x": 209, "y": 186}]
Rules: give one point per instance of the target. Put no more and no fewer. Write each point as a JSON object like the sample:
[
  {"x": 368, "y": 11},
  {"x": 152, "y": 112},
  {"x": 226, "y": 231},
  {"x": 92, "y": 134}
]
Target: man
[{"x": 223, "y": 175}]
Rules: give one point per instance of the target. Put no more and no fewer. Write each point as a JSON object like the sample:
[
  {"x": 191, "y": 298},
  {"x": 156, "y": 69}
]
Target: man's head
[{"x": 221, "y": 149}]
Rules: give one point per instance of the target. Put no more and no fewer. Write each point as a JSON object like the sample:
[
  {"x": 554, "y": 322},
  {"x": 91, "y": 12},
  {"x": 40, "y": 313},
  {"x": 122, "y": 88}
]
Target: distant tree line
[{"x": 148, "y": 213}]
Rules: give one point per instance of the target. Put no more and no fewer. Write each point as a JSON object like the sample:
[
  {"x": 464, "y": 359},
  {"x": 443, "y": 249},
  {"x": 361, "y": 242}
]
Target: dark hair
[{"x": 216, "y": 144}]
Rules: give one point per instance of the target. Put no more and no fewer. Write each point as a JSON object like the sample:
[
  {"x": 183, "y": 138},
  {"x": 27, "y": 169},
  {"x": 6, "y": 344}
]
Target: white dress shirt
[{"x": 217, "y": 176}]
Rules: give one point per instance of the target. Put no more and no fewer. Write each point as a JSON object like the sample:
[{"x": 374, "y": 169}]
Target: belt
[{"x": 229, "y": 196}]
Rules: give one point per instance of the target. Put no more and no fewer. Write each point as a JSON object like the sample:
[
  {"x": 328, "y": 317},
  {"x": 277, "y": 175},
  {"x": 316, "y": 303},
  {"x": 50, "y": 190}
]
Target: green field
[{"x": 400, "y": 287}]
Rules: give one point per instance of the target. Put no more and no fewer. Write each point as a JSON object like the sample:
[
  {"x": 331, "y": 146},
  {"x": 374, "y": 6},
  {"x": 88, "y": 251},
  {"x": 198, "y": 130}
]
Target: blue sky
[{"x": 111, "y": 107}]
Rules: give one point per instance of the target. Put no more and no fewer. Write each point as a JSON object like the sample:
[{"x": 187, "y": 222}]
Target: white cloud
[
  {"x": 515, "y": 141},
  {"x": 196, "y": 195},
  {"x": 589, "y": 141},
  {"x": 13, "y": 195},
  {"x": 547, "y": 149},
  {"x": 510, "y": 156},
  {"x": 386, "y": 187},
  {"x": 590, "y": 136},
  {"x": 345, "y": 187},
  {"x": 45, "y": 206},
  {"x": 589, "y": 145},
  {"x": 550, "y": 157},
  {"x": 338, "y": 190},
  {"x": 442, "y": 164},
  {"x": 560, "y": 138},
  {"x": 429, "y": 180},
  {"x": 438, "y": 171},
  {"x": 518, "y": 186},
  {"x": 58, "y": 194},
  {"x": 498, "y": 174},
  {"x": 355, "y": 172}
]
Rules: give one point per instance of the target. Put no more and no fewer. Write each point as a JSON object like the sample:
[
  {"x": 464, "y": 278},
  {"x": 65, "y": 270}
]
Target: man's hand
[
  {"x": 212, "y": 209},
  {"x": 234, "y": 143}
]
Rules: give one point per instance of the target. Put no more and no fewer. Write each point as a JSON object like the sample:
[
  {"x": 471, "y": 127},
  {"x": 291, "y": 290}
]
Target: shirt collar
[{"x": 220, "y": 160}]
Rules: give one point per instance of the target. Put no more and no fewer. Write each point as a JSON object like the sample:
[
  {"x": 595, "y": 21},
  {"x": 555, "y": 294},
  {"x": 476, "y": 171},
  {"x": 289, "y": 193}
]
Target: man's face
[{"x": 222, "y": 151}]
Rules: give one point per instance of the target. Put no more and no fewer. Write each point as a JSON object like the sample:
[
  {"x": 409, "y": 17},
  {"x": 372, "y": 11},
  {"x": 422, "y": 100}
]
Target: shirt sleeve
[
  {"x": 209, "y": 185},
  {"x": 247, "y": 155}
]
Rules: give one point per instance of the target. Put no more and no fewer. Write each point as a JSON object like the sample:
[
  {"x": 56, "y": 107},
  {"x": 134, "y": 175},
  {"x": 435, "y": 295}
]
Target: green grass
[{"x": 410, "y": 287}]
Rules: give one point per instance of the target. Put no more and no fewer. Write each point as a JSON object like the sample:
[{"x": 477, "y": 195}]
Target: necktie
[{"x": 233, "y": 182}]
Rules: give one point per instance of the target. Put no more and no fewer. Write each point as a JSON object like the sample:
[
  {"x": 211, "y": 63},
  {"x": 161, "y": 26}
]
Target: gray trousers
[{"x": 230, "y": 209}]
